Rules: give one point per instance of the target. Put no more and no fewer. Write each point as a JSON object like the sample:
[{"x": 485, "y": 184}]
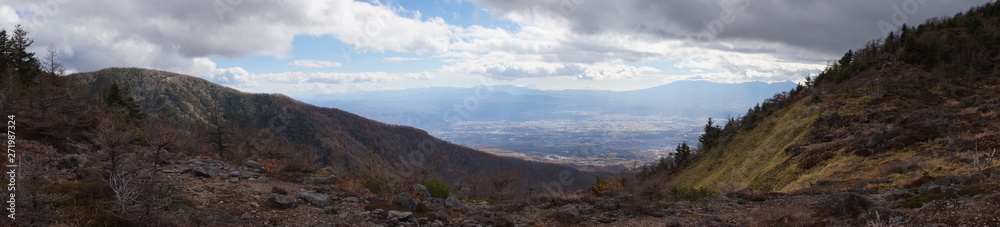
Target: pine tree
[
  {"x": 121, "y": 100},
  {"x": 14, "y": 57},
  {"x": 683, "y": 154},
  {"x": 712, "y": 134}
]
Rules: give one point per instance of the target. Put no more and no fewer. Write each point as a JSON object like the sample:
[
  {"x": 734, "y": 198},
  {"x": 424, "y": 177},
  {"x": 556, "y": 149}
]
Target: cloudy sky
[{"x": 301, "y": 48}]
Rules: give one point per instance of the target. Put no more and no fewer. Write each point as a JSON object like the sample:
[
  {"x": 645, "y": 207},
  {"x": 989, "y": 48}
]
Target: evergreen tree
[
  {"x": 683, "y": 154},
  {"x": 712, "y": 134},
  {"x": 14, "y": 57},
  {"x": 121, "y": 100}
]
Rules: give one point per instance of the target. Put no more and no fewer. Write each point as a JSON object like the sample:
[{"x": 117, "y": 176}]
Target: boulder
[
  {"x": 405, "y": 200},
  {"x": 351, "y": 199},
  {"x": 441, "y": 215},
  {"x": 71, "y": 161},
  {"x": 568, "y": 214},
  {"x": 317, "y": 199},
  {"x": 280, "y": 191},
  {"x": 279, "y": 201},
  {"x": 452, "y": 202},
  {"x": 253, "y": 164},
  {"x": 421, "y": 190},
  {"x": 206, "y": 171},
  {"x": 399, "y": 215}
]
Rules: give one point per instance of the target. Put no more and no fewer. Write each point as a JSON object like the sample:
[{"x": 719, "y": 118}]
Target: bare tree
[{"x": 51, "y": 63}]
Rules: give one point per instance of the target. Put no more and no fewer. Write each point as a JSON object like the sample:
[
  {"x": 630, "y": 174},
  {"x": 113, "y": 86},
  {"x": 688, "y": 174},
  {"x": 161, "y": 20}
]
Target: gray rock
[
  {"x": 351, "y": 199},
  {"x": 71, "y": 161},
  {"x": 234, "y": 174},
  {"x": 280, "y": 191},
  {"x": 441, "y": 215},
  {"x": 452, "y": 202},
  {"x": 405, "y": 200},
  {"x": 674, "y": 222},
  {"x": 253, "y": 164},
  {"x": 206, "y": 171},
  {"x": 234, "y": 180},
  {"x": 421, "y": 190},
  {"x": 318, "y": 199},
  {"x": 279, "y": 201},
  {"x": 875, "y": 140},
  {"x": 568, "y": 214},
  {"x": 399, "y": 215}
]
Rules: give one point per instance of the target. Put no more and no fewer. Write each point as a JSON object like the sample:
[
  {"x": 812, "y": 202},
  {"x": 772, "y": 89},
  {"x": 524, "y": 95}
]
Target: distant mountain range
[
  {"x": 342, "y": 138},
  {"x": 438, "y": 106}
]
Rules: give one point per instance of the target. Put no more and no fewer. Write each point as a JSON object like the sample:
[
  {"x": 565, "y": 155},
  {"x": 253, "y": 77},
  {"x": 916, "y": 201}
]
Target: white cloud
[
  {"x": 341, "y": 78},
  {"x": 399, "y": 59},
  {"x": 314, "y": 64},
  {"x": 233, "y": 76},
  {"x": 171, "y": 35},
  {"x": 586, "y": 39},
  {"x": 8, "y": 16}
]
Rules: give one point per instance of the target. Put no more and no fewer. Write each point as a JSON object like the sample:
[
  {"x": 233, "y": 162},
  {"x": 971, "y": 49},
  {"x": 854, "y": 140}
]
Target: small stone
[
  {"x": 351, "y": 199},
  {"x": 234, "y": 180}
]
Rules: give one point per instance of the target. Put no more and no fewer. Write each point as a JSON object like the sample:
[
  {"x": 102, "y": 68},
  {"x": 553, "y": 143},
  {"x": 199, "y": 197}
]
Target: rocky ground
[{"x": 256, "y": 199}]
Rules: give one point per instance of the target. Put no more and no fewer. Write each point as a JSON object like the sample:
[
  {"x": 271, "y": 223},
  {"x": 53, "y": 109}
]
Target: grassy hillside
[{"x": 924, "y": 101}]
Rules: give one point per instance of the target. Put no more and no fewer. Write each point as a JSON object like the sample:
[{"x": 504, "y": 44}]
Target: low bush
[{"x": 437, "y": 188}]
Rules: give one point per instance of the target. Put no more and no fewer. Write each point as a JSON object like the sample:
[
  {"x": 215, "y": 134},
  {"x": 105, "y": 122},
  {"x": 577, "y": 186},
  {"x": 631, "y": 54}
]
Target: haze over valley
[{"x": 582, "y": 128}]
